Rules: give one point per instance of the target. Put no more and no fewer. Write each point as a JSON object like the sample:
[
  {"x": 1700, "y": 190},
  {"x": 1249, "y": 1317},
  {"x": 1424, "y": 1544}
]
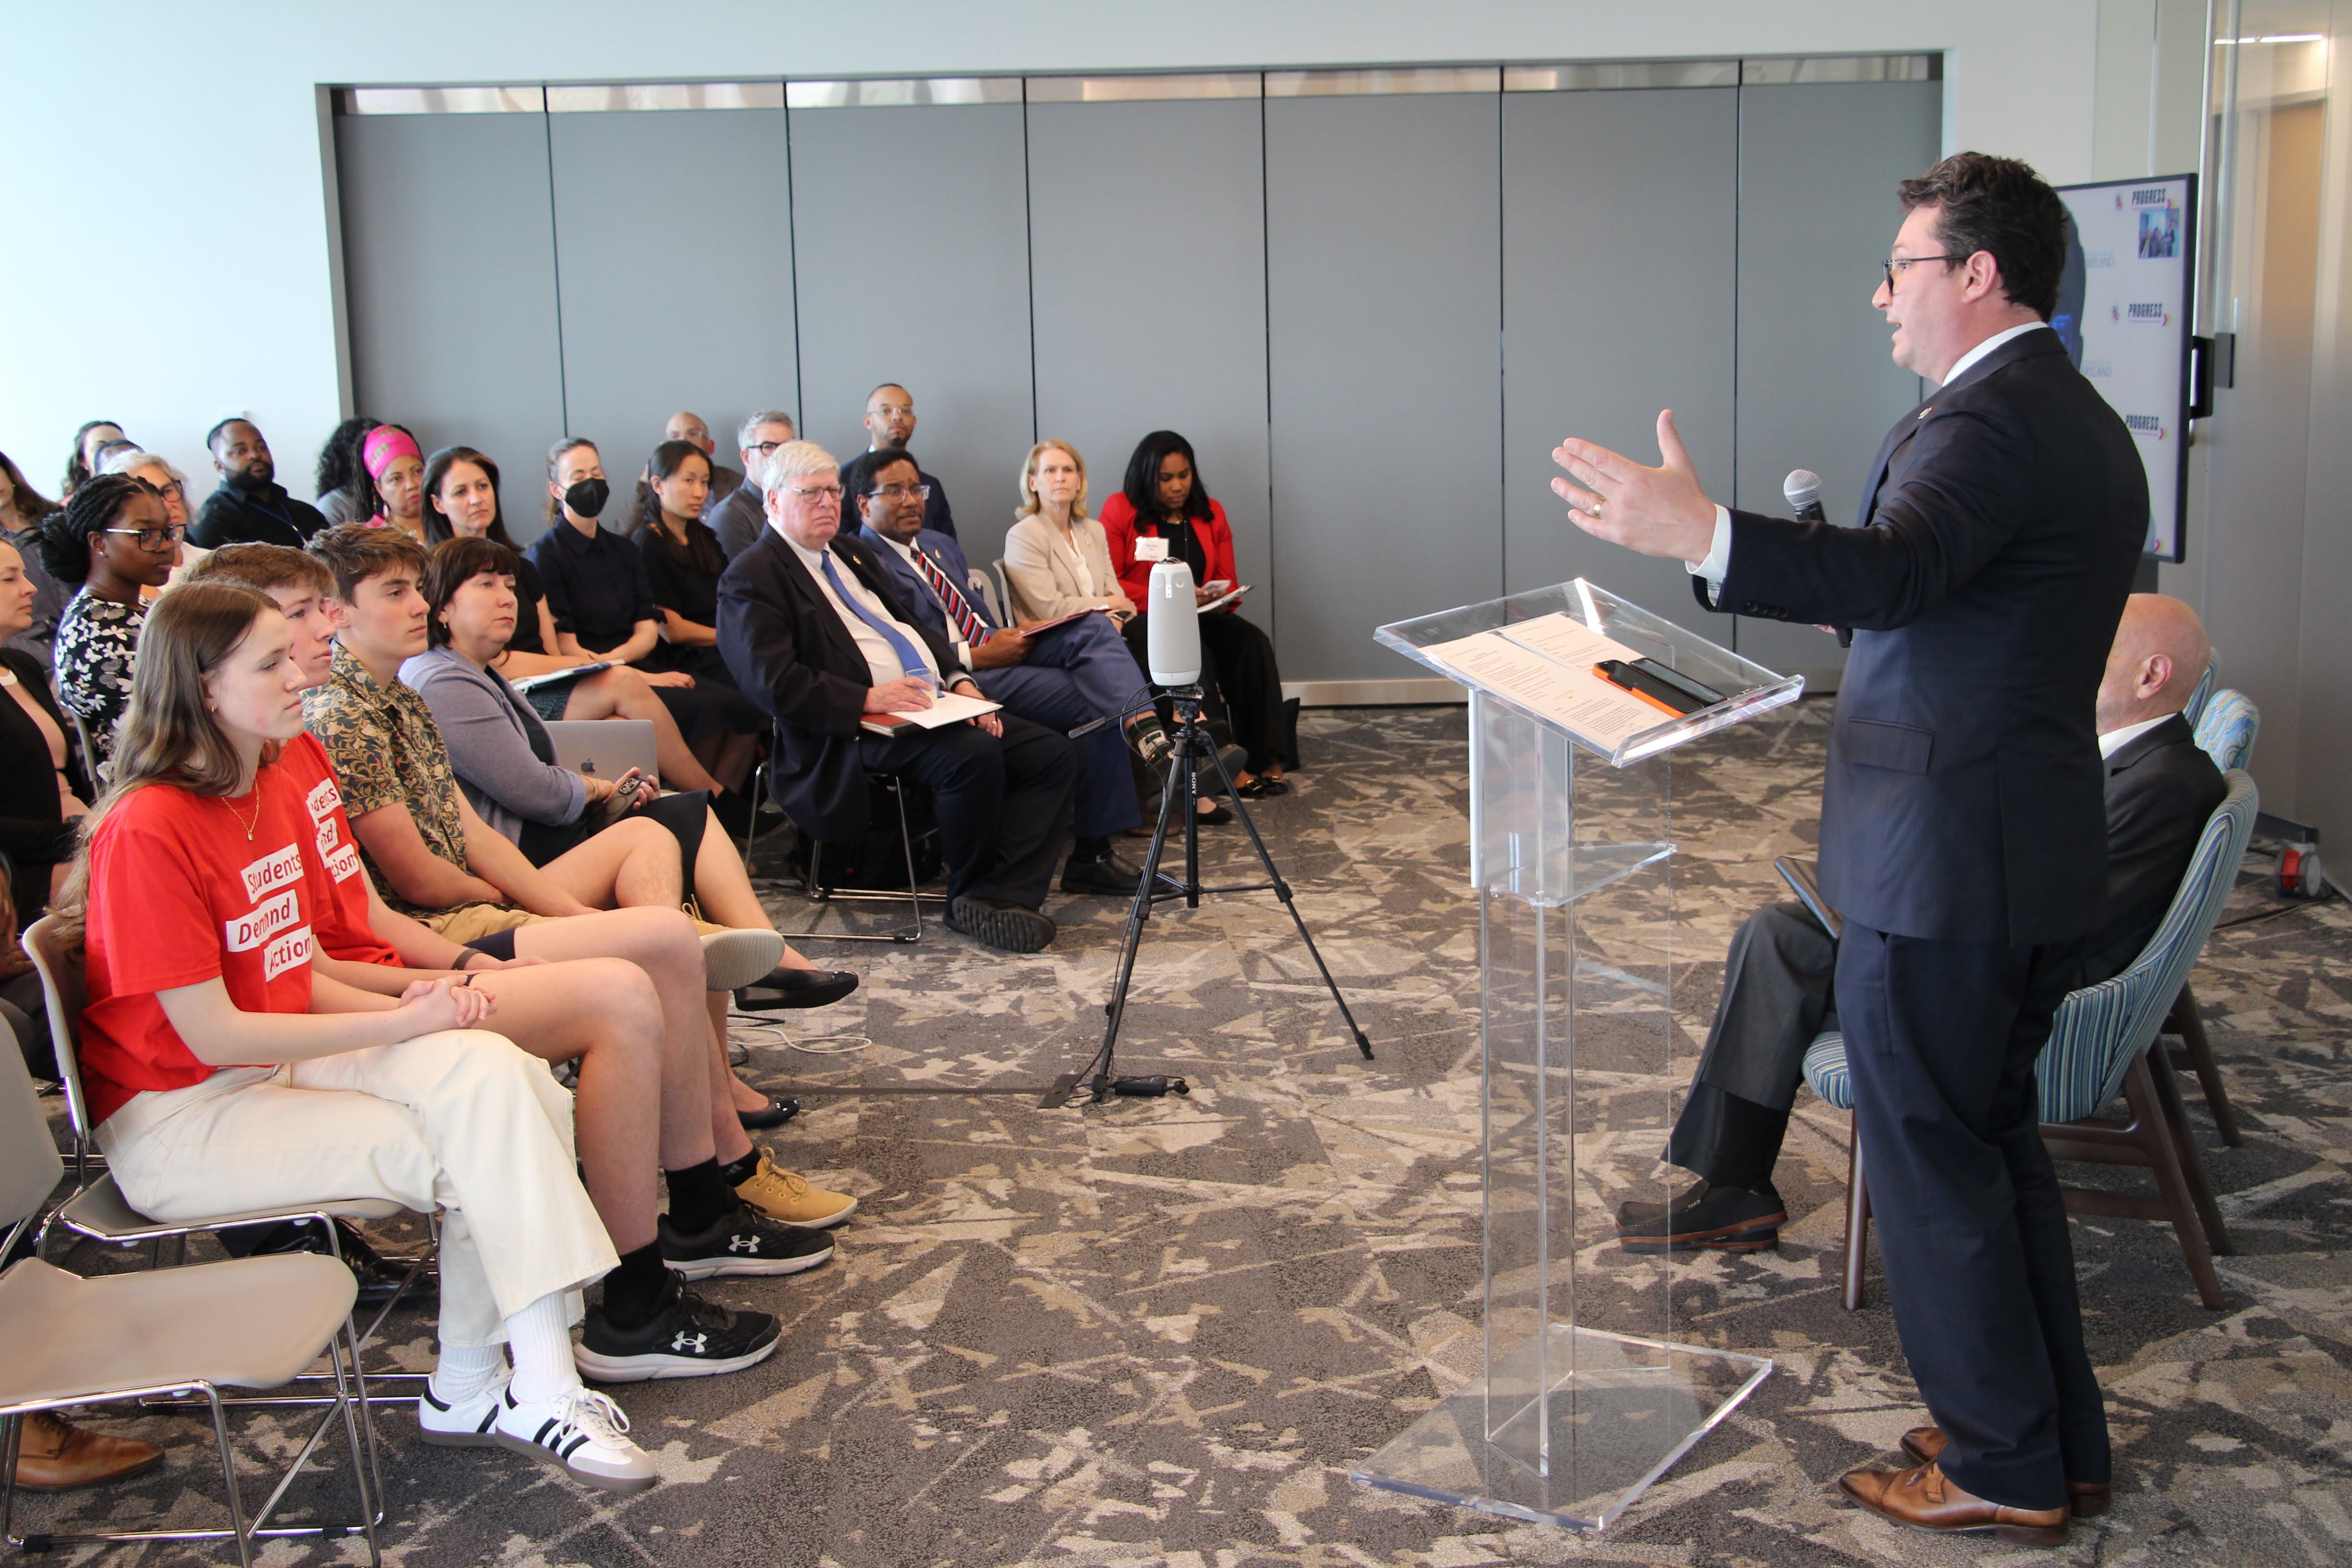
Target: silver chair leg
[
  {"x": 12, "y": 1436},
  {"x": 913, "y": 895},
  {"x": 228, "y": 1479}
]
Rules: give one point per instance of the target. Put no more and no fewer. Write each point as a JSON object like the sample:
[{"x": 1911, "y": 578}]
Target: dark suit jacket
[
  {"x": 917, "y": 593},
  {"x": 33, "y": 829},
  {"x": 789, "y": 651},
  {"x": 740, "y": 520},
  {"x": 2161, "y": 790},
  {"x": 2004, "y": 521}
]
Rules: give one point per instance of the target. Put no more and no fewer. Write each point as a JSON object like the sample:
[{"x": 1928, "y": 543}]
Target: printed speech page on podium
[{"x": 1545, "y": 666}]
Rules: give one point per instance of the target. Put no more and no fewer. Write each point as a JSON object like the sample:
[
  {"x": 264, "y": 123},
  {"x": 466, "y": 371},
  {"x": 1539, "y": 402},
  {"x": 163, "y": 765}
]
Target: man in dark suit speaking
[{"x": 1963, "y": 830}]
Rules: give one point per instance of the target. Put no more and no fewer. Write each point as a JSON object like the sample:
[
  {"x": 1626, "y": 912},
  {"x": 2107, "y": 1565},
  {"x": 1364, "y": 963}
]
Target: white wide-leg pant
[{"x": 463, "y": 1119}]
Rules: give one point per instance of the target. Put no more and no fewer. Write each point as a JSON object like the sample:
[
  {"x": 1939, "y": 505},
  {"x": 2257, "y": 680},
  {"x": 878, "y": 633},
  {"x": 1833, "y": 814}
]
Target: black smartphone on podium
[{"x": 1660, "y": 687}]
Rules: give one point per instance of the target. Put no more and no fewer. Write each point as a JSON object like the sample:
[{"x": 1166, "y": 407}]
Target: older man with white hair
[
  {"x": 815, "y": 633},
  {"x": 739, "y": 517}
]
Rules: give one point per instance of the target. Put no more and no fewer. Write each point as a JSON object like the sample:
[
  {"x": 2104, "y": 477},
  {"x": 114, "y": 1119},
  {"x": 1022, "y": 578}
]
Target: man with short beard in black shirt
[{"x": 250, "y": 507}]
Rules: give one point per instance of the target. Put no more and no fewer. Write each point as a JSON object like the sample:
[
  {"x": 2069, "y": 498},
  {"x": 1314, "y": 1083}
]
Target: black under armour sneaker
[
  {"x": 744, "y": 1242},
  {"x": 687, "y": 1337}
]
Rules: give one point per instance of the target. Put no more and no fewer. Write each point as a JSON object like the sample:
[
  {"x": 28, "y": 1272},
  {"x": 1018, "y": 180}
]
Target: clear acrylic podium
[{"x": 1585, "y": 1399}]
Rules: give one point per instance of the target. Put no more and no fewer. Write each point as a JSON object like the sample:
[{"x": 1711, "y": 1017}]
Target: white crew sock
[
  {"x": 464, "y": 1374},
  {"x": 539, "y": 1338}
]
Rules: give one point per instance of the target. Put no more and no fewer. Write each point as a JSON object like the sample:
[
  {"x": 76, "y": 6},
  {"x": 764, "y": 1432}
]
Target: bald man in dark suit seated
[{"x": 1777, "y": 991}]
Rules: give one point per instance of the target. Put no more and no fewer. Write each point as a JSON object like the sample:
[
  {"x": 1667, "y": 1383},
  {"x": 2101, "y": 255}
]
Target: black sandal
[{"x": 1262, "y": 788}]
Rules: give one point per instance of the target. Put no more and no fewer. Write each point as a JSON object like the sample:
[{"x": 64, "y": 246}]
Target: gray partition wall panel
[
  {"x": 1618, "y": 286},
  {"x": 674, "y": 246},
  {"x": 1383, "y": 302},
  {"x": 910, "y": 230},
  {"x": 449, "y": 277},
  {"x": 1818, "y": 167},
  {"x": 1148, "y": 247}
]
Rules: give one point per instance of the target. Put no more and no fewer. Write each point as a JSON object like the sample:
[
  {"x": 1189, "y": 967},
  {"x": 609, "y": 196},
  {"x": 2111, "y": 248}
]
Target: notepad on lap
[{"x": 947, "y": 708}]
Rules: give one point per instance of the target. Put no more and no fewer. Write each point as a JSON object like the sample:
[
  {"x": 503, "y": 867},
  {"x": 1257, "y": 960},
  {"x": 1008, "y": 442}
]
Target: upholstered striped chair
[
  {"x": 2226, "y": 727},
  {"x": 2227, "y": 723},
  {"x": 2099, "y": 1046}
]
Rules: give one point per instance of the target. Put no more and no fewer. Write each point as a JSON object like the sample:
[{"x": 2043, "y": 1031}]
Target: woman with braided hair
[{"x": 114, "y": 538}]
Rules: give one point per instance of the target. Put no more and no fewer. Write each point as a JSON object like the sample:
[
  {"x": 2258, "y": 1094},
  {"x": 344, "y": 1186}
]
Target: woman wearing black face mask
[{"x": 602, "y": 603}]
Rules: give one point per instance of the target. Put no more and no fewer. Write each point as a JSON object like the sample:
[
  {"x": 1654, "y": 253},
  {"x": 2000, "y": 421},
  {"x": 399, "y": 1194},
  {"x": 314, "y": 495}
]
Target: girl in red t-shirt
[
  {"x": 230, "y": 1076},
  {"x": 1164, "y": 513}
]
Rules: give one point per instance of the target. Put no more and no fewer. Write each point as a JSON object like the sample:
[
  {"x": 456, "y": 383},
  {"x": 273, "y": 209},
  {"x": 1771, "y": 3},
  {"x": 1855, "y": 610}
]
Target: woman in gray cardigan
[{"x": 506, "y": 765}]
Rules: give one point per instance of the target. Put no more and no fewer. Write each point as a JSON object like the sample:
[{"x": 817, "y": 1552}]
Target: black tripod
[{"x": 1182, "y": 793}]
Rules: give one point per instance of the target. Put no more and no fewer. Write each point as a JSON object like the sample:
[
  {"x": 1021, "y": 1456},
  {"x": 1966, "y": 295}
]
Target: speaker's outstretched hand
[{"x": 1658, "y": 512}]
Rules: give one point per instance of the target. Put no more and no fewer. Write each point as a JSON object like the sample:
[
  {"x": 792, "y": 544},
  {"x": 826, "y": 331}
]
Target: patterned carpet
[{"x": 1159, "y": 1333}]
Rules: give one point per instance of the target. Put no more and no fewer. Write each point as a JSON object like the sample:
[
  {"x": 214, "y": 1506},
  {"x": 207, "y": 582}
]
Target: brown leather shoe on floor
[
  {"x": 1925, "y": 1499},
  {"x": 53, "y": 1455},
  {"x": 2084, "y": 1499}
]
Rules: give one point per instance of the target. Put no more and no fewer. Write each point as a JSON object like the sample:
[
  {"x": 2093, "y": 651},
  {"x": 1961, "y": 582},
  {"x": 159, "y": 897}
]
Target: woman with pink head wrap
[{"x": 395, "y": 468}]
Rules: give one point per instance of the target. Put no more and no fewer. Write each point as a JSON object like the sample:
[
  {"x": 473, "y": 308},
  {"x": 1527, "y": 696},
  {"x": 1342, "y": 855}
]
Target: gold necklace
[{"x": 248, "y": 826}]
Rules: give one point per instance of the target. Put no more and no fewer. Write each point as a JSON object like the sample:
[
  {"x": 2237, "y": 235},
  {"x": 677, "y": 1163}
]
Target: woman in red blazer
[{"x": 1164, "y": 500}]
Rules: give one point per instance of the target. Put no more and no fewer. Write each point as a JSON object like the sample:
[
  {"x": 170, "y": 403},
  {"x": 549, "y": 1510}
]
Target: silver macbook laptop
[{"x": 606, "y": 747}]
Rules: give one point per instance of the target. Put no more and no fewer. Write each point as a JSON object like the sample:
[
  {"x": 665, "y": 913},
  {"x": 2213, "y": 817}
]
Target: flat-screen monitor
[{"x": 2123, "y": 308}]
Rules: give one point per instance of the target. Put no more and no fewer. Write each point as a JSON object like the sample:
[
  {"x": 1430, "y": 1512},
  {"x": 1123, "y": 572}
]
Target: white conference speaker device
[{"x": 1172, "y": 635}]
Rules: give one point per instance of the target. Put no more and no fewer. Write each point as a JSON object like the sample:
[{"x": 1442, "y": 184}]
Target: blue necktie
[{"x": 909, "y": 659}]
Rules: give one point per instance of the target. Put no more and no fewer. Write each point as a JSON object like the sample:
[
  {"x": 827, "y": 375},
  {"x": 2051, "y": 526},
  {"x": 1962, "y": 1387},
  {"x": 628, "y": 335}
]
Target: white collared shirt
[
  {"x": 881, "y": 659},
  {"x": 2113, "y": 741},
  {"x": 1717, "y": 563}
]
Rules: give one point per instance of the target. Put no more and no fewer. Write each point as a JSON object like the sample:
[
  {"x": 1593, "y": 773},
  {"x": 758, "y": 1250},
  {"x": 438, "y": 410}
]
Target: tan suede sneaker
[{"x": 782, "y": 1195}]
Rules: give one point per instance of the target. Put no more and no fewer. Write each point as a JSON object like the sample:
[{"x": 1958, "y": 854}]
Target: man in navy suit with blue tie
[{"x": 1962, "y": 818}]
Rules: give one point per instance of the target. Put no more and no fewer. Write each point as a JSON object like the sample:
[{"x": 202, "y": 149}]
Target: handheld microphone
[
  {"x": 1802, "y": 488},
  {"x": 1172, "y": 635}
]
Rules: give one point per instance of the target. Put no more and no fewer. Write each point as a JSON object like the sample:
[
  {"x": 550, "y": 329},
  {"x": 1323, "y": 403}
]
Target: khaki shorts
[{"x": 467, "y": 921}]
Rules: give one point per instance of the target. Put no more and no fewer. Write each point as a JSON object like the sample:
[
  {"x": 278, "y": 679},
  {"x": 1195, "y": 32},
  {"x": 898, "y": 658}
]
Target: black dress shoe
[
  {"x": 1001, "y": 924},
  {"x": 786, "y": 988},
  {"x": 775, "y": 1113},
  {"x": 1707, "y": 1218},
  {"x": 1106, "y": 874}
]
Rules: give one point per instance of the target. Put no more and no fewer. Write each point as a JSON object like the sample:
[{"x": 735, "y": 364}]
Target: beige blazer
[{"x": 1043, "y": 575}]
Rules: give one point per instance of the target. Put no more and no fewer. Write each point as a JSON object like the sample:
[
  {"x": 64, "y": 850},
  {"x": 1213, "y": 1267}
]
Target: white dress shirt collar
[
  {"x": 2113, "y": 741},
  {"x": 1987, "y": 347}
]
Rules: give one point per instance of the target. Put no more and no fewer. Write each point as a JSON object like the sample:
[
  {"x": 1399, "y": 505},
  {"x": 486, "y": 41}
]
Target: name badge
[{"x": 1153, "y": 548}]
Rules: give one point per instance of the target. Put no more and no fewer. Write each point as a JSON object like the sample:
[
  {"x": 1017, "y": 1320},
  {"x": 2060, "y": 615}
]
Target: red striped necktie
[{"x": 973, "y": 630}]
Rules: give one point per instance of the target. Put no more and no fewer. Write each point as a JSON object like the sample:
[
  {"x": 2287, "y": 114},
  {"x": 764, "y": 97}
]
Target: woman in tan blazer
[{"x": 1057, "y": 559}]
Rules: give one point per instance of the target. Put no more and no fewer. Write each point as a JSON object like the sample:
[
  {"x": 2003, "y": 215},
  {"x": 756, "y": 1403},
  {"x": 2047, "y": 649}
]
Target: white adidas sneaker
[
  {"x": 579, "y": 1429},
  {"x": 465, "y": 1425}
]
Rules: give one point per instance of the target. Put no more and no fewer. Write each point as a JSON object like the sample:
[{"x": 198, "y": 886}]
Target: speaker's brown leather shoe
[
  {"x": 53, "y": 1455},
  {"x": 1924, "y": 1499},
  {"x": 2084, "y": 1499}
]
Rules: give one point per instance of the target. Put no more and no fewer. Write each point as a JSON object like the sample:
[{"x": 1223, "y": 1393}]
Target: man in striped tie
[{"x": 1077, "y": 679}]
